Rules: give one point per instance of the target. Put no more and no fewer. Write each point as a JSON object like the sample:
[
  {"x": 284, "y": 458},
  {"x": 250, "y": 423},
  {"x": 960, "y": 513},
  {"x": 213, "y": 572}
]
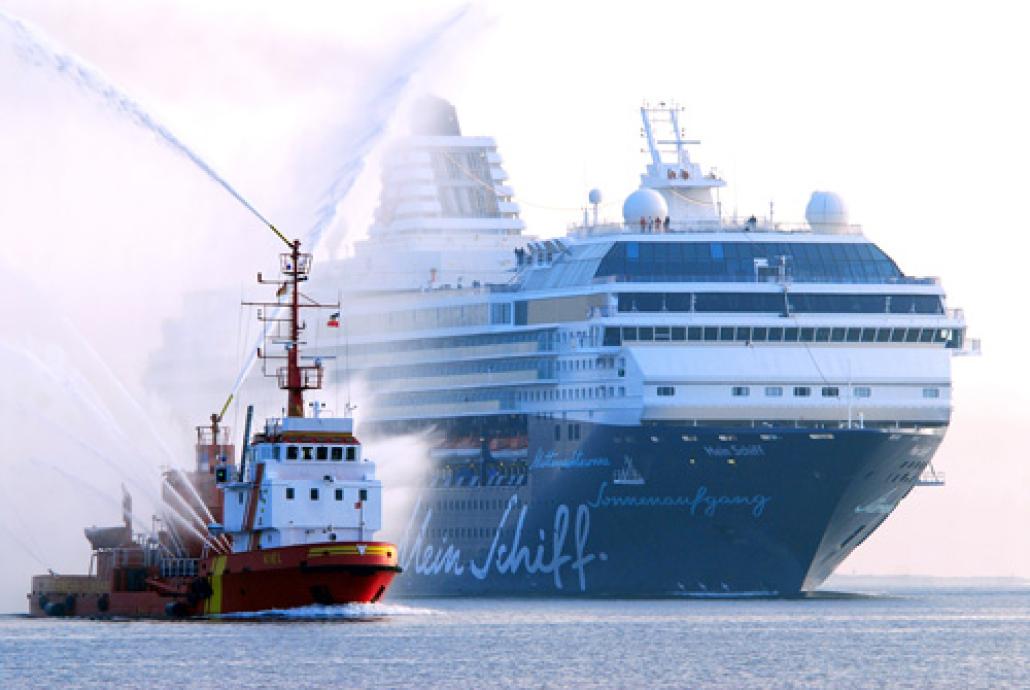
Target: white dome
[
  {"x": 644, "y": 203},
  {"x": 826, "y": 212}
]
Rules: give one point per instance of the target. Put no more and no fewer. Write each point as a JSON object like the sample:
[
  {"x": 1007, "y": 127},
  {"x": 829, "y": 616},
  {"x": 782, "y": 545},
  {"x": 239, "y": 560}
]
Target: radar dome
[
  {"x": 826, "y": 212},
  {"x": 644, "y": 203},
  {"x": 595, "y": 196}
]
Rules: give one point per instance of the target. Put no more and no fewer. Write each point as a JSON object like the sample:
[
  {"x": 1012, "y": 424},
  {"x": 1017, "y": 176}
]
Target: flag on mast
[{"x": 334, "y": 320}]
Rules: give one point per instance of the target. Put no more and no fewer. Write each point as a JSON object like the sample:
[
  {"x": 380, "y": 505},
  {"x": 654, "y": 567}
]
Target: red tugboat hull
[
  {"x": 85, "y": 596},
  {"x": 300, "y": 575},
  {"x": 281, "y": 578}
]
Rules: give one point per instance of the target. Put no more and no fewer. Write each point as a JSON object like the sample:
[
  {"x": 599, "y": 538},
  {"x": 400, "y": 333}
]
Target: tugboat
[{"x": 290, "y": 526}]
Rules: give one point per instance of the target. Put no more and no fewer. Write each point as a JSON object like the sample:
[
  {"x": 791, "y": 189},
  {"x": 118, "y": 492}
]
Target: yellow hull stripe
[
  {"x": 214, "y": 602},
  {"x": 349, "y": 550}
]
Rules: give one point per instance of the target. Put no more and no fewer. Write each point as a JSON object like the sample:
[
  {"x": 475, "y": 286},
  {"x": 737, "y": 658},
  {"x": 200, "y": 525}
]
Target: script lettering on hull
[
  {"x": 550, "y": 555},
  {"x": 702, "y": 502},
  {"x": 545, "y": 460}
]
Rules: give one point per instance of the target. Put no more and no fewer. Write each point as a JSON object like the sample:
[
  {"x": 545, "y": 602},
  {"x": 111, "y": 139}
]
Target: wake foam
[{"x": 333, "y": 612}]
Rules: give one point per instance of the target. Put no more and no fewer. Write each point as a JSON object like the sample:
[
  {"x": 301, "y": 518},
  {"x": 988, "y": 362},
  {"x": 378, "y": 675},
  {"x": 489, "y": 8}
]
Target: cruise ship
[
  {"x": 671, "y": 404},
  {"x": 674, "y": 404}
]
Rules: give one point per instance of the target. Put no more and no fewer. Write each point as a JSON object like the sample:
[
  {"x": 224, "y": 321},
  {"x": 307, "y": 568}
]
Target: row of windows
[
  {"x": 587, "y": 393},
  {"x": 779, "y": 303},
  {"x": 477, "y": 395},
  {"x": 317, "y": 452},
  {"x": 533, "y": 366},
  {"x": 799, "y": 391},
  {"x": 543, "y": 339},
  {"x": 470, "y": 504},
  {"x": 854, "y": 262},
  {"x": 313, "y": 494},
  {"x": 760, "y": 334},
  {"x": 585, "y": 364},
  {"x": 463, "y": 532}
]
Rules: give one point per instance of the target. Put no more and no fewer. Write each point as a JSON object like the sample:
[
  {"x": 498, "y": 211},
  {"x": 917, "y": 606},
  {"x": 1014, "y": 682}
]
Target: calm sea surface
[{"x": 911, "y": 639}]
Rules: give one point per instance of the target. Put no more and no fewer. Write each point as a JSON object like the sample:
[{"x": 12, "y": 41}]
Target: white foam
[{"x": 334, "y": 612}]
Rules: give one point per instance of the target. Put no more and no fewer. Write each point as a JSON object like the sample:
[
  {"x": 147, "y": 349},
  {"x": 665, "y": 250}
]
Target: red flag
[{"x": 334, "y": 320}]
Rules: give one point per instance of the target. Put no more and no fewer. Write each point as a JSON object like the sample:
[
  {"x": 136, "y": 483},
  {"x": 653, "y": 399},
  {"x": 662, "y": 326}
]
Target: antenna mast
[{"x": 296, "y": 377}]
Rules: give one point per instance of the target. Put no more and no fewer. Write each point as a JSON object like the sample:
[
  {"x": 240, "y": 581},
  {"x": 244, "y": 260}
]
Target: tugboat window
[
  {"x": 351, "y": 454},
  {"x": 339, "y": 494},
  {"x": 314, "y": 494},
  {"x": 337, "y": 454},
  {"x": 306, "y": 453},
  {"x": 291, "y": 452},
  {"x": 322, "y": 453},
  {"x": 289, "y": 493}
]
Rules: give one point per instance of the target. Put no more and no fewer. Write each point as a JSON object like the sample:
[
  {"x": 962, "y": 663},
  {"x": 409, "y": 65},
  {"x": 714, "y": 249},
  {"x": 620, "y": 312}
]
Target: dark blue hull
[{"x": 658, "y": 511}]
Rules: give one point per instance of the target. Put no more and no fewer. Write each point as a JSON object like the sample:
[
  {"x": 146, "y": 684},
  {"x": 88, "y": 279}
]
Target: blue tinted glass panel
[
  {"x": 734, "y": 262},
  {"x": 738, "y": 302}
]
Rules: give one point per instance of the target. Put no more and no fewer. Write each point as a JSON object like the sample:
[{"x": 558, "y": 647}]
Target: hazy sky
[{"x": 915, "y": 112}]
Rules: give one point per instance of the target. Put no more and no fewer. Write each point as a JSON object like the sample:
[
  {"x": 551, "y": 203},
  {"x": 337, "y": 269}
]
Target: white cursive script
[
  {"x": 550, "y": 460},
  {"x": 701, "y": 500},
  {"x": 508, "y": 558}
]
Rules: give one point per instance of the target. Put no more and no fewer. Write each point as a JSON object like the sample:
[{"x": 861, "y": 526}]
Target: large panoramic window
[
  {"x": 844, "y": 262},
  {"x": 780, "y": 303},
  {"x": 615, "y": 335}
]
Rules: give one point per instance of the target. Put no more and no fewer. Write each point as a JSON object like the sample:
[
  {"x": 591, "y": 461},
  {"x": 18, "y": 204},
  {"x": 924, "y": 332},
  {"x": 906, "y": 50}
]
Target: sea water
[{"x": 907, "y": 639}]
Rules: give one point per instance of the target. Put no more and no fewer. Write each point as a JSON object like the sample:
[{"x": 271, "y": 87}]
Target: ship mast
[
  {"x": 296, "y": 377},
  {"x": 295, "y": 398}
]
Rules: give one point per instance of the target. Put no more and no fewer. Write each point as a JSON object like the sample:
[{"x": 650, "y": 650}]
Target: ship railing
[
  {"x": 756, "y": 278},
  {"x": 179, "y": 567},
  {"x": 608, "y": 227}
]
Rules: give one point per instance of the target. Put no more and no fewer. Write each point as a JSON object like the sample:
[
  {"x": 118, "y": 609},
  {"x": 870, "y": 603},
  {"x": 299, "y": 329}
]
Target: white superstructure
[
  {"x": 679, "y": 317},
  {"x": 446, "y": 215},
  {"x": 306, "y": 483}
]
